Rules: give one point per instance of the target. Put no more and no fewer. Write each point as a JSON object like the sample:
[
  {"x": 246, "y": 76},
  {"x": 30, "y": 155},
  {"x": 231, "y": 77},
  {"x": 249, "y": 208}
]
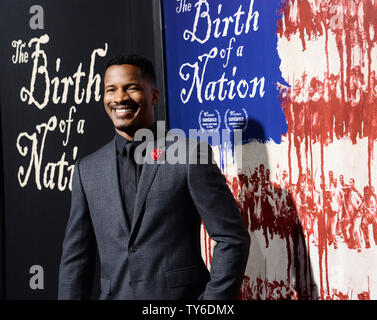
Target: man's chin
[{"x": 129, "y": 129}]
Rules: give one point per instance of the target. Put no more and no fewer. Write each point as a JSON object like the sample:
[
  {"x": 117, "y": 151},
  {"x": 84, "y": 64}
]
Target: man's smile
[{"x": 125, "y": 111}]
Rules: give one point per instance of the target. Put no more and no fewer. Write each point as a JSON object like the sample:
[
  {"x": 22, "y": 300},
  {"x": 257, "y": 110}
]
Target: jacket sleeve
[
  {"x": 77, "y": 264},
  {"x": 224, "y": 224}
]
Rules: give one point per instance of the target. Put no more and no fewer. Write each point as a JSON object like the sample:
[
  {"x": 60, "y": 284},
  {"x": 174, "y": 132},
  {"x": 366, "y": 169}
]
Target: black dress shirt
[{"x": 129, "y": 173}]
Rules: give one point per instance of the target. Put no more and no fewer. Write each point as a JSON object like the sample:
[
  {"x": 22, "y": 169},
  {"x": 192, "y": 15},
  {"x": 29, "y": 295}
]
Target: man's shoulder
[
  {"x": 193, "y": 150},
  {"x": 101, "y": 154},
  {"x": 191, "y": 144}
]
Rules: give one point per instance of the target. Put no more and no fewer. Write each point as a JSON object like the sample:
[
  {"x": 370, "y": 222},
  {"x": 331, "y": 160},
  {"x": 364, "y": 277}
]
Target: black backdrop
[{"x": 33, "y": 221}]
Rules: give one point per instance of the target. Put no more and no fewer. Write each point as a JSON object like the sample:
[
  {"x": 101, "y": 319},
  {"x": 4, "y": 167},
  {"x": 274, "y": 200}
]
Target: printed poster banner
[
  {"x": 52, "y": 58},
  {"x": 298, "y": 77},
  {"x": 51, "y": 115}
]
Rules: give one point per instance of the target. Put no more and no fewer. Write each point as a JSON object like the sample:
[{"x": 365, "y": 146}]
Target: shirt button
[{"x": 133, "y": 249}]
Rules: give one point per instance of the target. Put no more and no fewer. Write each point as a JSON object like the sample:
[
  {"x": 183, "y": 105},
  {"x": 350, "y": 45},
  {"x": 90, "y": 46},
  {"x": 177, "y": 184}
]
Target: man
[
  {"x": 354, "y": 212},
  {"x": 266, "y": 208},
  {"x": 145, "y": 218},
  {"x": 368, "y": 209},
  {"x": 344, "y": 219},
  {"x": 331, "y": 180},
  {"x": 333, "y": 213}
]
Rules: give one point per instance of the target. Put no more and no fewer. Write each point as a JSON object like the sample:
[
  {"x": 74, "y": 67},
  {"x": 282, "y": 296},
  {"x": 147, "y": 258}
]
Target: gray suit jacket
[{"x": 159, "y": 255}]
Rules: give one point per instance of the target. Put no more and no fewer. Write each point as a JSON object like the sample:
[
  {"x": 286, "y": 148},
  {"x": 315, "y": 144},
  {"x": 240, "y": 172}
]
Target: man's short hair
[{"x": 145, "y": 65}]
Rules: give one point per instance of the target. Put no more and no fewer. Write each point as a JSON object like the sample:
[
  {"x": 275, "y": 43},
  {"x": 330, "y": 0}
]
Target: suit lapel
[
  {"x": 112, "y": 181},
  {"x": 147, "y": 176}
]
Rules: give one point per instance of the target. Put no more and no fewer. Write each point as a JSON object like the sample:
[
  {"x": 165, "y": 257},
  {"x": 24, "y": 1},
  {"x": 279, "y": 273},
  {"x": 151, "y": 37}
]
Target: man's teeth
[{"x": 123, "y": 110}]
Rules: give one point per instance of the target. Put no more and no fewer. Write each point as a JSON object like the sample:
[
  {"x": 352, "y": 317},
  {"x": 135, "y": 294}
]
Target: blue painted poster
[
  {"x": 299, "y": 78},
  {"x": 223, "y": 67}
]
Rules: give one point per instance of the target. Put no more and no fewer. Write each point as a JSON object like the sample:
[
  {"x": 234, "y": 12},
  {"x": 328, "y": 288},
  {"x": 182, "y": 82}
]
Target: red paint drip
[{"x": 341, "y": 105}]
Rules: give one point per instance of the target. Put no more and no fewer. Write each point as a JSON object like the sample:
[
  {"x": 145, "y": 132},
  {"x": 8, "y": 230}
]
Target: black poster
[{"x": 52, "y": 58}]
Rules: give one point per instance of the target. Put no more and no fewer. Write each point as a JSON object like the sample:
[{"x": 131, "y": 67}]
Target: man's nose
[{"x": 121, "y": 96}]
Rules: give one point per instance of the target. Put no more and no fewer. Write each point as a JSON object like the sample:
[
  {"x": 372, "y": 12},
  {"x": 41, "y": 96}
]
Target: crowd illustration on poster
[{"x": 310, "y": 201}]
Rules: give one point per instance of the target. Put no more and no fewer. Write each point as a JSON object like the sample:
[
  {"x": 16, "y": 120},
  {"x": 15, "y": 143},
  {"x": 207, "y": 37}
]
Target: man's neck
[
  {"x": 125, "y": 135},
  {"x": 130, "y": 135}
]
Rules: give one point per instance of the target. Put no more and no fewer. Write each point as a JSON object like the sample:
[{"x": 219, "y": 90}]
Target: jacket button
[{"x": 133, "y": 249}]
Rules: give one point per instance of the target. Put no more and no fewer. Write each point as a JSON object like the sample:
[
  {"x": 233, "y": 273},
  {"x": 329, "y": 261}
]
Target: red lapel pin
[{"x": 156, "y": 153}]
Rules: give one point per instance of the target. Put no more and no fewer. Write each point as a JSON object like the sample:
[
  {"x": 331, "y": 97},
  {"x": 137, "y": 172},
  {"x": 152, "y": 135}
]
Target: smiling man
[
  {"x": 130, "y": 96},
  {"x": 145, "y": 219}
]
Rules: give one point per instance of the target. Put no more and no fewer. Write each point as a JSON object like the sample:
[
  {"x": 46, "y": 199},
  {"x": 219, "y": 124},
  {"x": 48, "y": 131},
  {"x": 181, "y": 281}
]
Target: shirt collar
[{"x": 121, "y": 142}]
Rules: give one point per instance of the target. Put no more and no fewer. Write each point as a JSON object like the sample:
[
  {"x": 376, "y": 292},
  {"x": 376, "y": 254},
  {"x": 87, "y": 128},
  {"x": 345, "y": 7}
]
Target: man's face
[
  {"x": 332, "y": 85},
  {"x": 320, "y": 89},
  {"x": 129, "y": 98},
  {"x": 311, "y": 91},
  {"x": 352, "y": 183}
]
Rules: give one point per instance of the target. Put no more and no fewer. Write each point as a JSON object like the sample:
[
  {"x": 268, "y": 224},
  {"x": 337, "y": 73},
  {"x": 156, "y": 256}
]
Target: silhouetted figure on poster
[
  {"x": 332, "y": 220},
  {"x": 354, "y": 212},
  {"x": 369, "y": 215}
]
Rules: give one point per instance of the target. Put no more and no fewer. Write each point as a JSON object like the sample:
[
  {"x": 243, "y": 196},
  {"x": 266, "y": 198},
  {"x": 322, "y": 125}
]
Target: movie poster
[
  {"x": 298, "y": 78},
  {"x": 52, "y": 57}
]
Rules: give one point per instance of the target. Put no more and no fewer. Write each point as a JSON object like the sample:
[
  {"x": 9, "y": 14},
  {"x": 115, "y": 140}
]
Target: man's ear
[{"x": 156, "y": 95}]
